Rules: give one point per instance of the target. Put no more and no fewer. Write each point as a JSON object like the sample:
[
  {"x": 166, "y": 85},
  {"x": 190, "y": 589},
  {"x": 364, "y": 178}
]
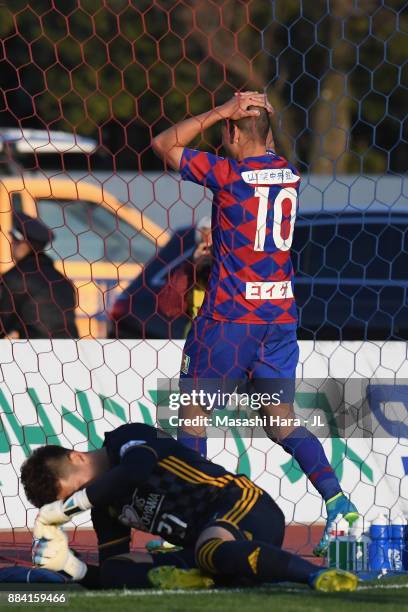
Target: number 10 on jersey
[{"x": 284, "y": 215}]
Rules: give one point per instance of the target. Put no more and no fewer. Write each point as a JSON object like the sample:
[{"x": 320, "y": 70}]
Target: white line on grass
[
  {"x": 365, "y": 587},
  {"x": 150, "y": 592},
  {"x": 158, "y": 592}
]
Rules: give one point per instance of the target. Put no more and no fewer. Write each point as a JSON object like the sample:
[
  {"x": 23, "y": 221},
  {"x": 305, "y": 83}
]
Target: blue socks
[
  {"x": 194, "y": 442},
  {"x": 304, "y": 447},
  {"x": 309, "y": 453}
]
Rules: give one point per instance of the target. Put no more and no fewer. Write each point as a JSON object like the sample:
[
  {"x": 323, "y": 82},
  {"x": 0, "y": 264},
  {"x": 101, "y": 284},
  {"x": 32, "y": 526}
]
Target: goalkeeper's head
[
  {"x": 253, "y": 130},
  {"x": 53, "y": 472}
]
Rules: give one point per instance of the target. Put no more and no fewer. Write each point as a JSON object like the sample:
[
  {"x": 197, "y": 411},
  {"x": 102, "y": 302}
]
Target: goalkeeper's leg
[
  {"x": 238, "y": 549},
  {"x": 133, "y": 570},
  {"x": 245, "y": 539},
  {"x": 267, "y": 563}
]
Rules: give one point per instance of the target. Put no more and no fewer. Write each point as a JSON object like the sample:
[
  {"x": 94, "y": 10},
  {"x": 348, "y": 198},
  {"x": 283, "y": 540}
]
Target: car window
[
  {"x": 356, "y": 250},
  {"x": 86, "y": 232}
]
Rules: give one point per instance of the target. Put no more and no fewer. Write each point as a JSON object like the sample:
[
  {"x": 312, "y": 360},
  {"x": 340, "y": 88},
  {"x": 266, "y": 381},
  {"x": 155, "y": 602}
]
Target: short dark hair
[
  {"x": 256, "y": 126},
  {"x": 40, "y": 474}
]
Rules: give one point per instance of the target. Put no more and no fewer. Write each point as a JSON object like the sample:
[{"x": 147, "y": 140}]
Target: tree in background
[{"x": 335, "y": 70}]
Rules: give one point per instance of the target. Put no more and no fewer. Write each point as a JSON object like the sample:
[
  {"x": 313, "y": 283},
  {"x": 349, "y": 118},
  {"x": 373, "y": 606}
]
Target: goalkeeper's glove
[
  {"x": 50, "y": 550},
  {"x": 60, "y": 512}
]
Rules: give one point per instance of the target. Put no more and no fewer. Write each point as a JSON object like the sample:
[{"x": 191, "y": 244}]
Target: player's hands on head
[
  {"x": 267, "y": 105},
  {"x": 238, "y": 106}
]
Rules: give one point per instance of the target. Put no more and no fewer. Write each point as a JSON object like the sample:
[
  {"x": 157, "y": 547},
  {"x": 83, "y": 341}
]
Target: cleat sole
[
  {"x": 336, "y": 581},
  {"x": 169, "y": 577}
]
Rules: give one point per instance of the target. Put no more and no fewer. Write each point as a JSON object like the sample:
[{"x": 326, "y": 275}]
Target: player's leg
[
  {"x": 215, "y": 359},
  {"x": 246, "y": 542},
  {"x": 277, "y": 361},
  {"x": 136, "y": 569},
  {"x": 194, "y": 353}
]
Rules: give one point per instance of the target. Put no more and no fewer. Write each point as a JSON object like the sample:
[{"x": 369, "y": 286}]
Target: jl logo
[{"x": 185, "y": 364}]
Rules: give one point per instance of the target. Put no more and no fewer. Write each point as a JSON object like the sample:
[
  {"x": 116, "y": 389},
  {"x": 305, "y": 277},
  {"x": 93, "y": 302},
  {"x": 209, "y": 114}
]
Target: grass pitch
[{"x": 382, "y": 595}]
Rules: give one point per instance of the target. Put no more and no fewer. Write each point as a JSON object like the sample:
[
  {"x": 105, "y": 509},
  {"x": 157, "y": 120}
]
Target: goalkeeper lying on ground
[{"x": 142, "y": 478}]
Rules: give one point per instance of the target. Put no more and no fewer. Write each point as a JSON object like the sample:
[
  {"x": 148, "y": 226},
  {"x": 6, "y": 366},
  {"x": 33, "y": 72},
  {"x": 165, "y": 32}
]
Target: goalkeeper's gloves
[
  {"x": 60, "y": 512},
  {"x": 50, "y": 550}
]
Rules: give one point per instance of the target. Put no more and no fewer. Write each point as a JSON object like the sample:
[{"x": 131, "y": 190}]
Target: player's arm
[
  {"x": 169, "y": 145},
  {"x": 137, "y": 464},
  {"x": 113, "y": 537},
  {"x": 138, "y": 461}
]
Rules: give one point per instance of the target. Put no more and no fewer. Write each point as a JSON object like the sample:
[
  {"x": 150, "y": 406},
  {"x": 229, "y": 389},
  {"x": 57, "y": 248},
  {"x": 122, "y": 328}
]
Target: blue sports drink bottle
[
  {"x": 398, "y": 542},
  {"x": 380, "y": 548}
]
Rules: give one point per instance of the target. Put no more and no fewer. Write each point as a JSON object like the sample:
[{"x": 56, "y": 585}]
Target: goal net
[{"x": 86, "y": 86}]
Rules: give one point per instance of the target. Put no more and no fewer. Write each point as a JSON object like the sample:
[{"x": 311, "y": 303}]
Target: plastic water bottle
[
  {"x": 379, "y": 550},
  {"x": 398, "y": 529},
  {"x": 359, "y": 543},
  {"x": 338, "y": 553},
  {"x": 405, "y": 550}
]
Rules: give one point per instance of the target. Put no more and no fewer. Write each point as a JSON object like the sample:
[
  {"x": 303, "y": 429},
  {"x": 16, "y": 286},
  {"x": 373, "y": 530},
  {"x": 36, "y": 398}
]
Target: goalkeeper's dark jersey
[{"x": 180, "y": 492}]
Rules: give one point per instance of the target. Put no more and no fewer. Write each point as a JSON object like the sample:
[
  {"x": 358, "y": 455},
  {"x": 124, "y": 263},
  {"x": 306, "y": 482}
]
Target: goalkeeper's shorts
[{"x": 249, "y": 513}]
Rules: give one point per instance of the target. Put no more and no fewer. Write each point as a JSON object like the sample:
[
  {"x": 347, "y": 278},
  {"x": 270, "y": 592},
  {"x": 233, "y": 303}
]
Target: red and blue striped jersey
[{"x": 253, "y": 217}]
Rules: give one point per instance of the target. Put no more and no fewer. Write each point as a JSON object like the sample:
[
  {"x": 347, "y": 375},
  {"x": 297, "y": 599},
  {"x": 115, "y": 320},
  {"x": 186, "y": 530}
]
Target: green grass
[{"x": 384, "y": 596}]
